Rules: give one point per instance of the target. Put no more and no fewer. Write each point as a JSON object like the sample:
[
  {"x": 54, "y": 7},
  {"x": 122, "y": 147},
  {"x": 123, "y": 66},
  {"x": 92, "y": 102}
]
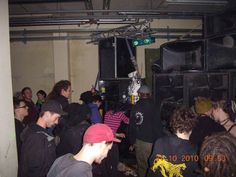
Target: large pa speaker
[
  {"x": 115, "y": 58},
  {"x": 221, "y": 52},
  {"x": 221, "y": 24},
  {"x": 182, "y": 56}
]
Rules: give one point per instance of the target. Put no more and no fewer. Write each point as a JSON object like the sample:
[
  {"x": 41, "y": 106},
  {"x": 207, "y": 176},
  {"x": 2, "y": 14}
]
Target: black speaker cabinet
[
  {"x": 220, "y": 24},
  {"x": 182, "y": 56},
  {"x": 182, "y": 88},
  {"x": 115, "y": 58},
  {"x": 221, "y": 52}
]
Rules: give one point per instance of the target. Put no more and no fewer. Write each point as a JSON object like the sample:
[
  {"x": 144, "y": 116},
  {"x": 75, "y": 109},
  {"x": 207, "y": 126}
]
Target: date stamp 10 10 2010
[{"x": 195, "y": 158}]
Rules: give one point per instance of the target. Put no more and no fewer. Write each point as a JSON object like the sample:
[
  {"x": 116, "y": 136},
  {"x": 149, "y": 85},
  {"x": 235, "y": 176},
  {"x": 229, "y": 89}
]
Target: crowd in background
[{"x": 197, "y": 141}]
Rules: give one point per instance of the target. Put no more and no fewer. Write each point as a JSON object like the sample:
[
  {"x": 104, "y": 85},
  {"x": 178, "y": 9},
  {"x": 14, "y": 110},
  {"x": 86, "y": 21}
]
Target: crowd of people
[{"x": 56, "y": 138}]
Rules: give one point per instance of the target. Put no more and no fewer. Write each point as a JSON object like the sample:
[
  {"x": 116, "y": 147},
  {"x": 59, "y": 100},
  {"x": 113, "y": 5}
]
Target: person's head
[
  {"x": 61, "y": 88},
  {"x": 117, "y": 107},
  {"x": 50, "y": 113},
  {"x": 77, "y": 113},
  {"x": 144, "y": 91},
  {"x": 221, "y": 111},
  {"x": 217, "y": 155},
  {"x": 27, "y": 93},
  {"x": 97, "y": 100},
  {"x": 41, "y": 95},
  {"x": 20, "y": 109},
  {"x": 183, "y": 121},
  {"x": 203, "y": 106},
  {"x": 19, "y": 95},
  {"x": 99, "y": 139},
  {"x": 86, "y": 97}
]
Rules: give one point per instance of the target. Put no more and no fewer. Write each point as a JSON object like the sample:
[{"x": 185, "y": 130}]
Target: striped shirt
[{"x": 113, "y": 120}]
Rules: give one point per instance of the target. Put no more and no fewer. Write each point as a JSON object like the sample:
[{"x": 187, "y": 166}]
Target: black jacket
[
  {"x": 173, "y": 156},
  {"x": 205, "y": 127},
  {"x": 37, "y": 153},
  {"x": 145, "y": 123},
  {"x": 71, "y": 139},
  {"x": 19, "y": 127}
]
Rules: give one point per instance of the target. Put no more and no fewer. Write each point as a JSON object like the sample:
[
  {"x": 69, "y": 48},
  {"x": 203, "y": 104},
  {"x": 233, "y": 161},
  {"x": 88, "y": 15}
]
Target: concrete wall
[
  {"x": 8, "y": 155},
  {"x": 34, "y": 63},
  {"x": 83, "y": 66}
]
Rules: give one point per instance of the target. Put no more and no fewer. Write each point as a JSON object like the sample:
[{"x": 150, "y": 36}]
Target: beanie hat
[
  {"x": 202, "y": 105},
  {"x": 144, "y": 89}
]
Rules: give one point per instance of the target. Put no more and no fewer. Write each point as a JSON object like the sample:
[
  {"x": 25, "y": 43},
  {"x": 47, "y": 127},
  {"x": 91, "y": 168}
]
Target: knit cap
[{"x": 202, "y": 105}]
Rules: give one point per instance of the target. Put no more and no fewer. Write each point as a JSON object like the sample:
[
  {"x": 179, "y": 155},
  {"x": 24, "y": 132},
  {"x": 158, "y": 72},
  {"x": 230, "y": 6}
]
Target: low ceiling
[
  {"x": 44, "y": 12},
  {"x": 79, "y": 12}
]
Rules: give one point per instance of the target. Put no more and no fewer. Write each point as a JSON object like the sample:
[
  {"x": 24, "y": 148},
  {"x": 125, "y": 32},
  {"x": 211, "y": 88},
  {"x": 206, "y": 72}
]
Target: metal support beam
[
  {"x": 89, "y": 6},
  {"x": 106, "y": 6},
  {"x": 122, "y": 12},
  {"x": 45, "y": 20},
  {"x": 43, "y": 38},
  {"x": 50, "y": 31}
]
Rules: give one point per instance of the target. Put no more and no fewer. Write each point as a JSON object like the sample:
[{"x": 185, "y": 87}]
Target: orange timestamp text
[{"x": 195, "y": 158}]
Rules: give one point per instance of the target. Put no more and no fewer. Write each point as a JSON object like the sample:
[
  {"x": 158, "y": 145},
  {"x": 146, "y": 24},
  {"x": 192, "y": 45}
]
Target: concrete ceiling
[
  {"x": 129, "y": 13},
  {"x": 44, "y": 12}
]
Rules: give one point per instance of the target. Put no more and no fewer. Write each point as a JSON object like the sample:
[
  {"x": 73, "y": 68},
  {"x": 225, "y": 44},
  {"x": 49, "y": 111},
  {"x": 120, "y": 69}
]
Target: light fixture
[{"x": 143, "y": 41}]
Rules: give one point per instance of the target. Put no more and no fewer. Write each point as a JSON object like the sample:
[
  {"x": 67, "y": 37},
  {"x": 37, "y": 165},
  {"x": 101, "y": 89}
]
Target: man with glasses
[
  {"x": 20, "y": 112},
  {"x": 38, "y": 148}
]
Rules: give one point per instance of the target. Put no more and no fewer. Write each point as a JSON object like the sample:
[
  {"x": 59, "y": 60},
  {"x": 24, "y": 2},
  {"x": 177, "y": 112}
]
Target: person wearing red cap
[{"x": 97, "y": 141}]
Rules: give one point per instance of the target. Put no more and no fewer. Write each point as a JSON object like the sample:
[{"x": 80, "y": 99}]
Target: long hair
[
  {"x": 226, "y": 107},
  {"x": 58, "y": 87},
  {"x": 218, "y": 154}
]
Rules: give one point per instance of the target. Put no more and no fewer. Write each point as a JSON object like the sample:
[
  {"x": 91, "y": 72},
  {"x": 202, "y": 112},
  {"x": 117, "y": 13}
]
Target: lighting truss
[{"x": 139, "y": 29}]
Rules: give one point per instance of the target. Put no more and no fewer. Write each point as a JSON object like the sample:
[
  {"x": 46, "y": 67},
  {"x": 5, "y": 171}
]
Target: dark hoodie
[
  {"x": 37, "y": 153},
  {"x": 71, "y": 138},
  {"x": 145, "y": 123}
]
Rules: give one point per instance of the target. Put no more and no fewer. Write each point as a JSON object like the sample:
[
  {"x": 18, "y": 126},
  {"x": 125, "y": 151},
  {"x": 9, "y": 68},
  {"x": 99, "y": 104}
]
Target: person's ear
[
  {"x": 206, "y": 169},
  {"x": 47, "y": 114}
]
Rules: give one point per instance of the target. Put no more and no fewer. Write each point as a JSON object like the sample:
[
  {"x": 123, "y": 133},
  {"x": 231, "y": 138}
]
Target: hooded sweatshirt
[{"x": 37, "y": 153}]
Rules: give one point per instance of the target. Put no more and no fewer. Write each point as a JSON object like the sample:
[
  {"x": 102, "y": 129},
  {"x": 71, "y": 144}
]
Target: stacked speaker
[{"x": 115, "y": 58}]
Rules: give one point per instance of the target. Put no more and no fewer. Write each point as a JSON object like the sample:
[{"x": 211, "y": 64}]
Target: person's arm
[
  {"x": 96, "y": 116},
  {"x": 124, "y": 118}
]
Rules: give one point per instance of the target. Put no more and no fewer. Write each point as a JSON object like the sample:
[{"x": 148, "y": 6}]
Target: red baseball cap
[{"x": 98, "y": 133}]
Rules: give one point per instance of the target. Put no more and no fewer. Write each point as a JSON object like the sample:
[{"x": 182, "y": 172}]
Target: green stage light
[{"x": 143, "y": 41}]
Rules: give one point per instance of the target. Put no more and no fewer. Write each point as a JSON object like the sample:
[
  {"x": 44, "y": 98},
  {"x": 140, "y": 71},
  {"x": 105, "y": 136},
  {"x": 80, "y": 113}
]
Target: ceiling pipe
[
  {"x": 28, "y": 38},
  {"x": 198, "y": 2},
  {"x": 80, "y": 20},
  {"x": 147, "y": 12},
  {"x": 48, "y": 31},
  {"x": 40, "y": 1}
]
